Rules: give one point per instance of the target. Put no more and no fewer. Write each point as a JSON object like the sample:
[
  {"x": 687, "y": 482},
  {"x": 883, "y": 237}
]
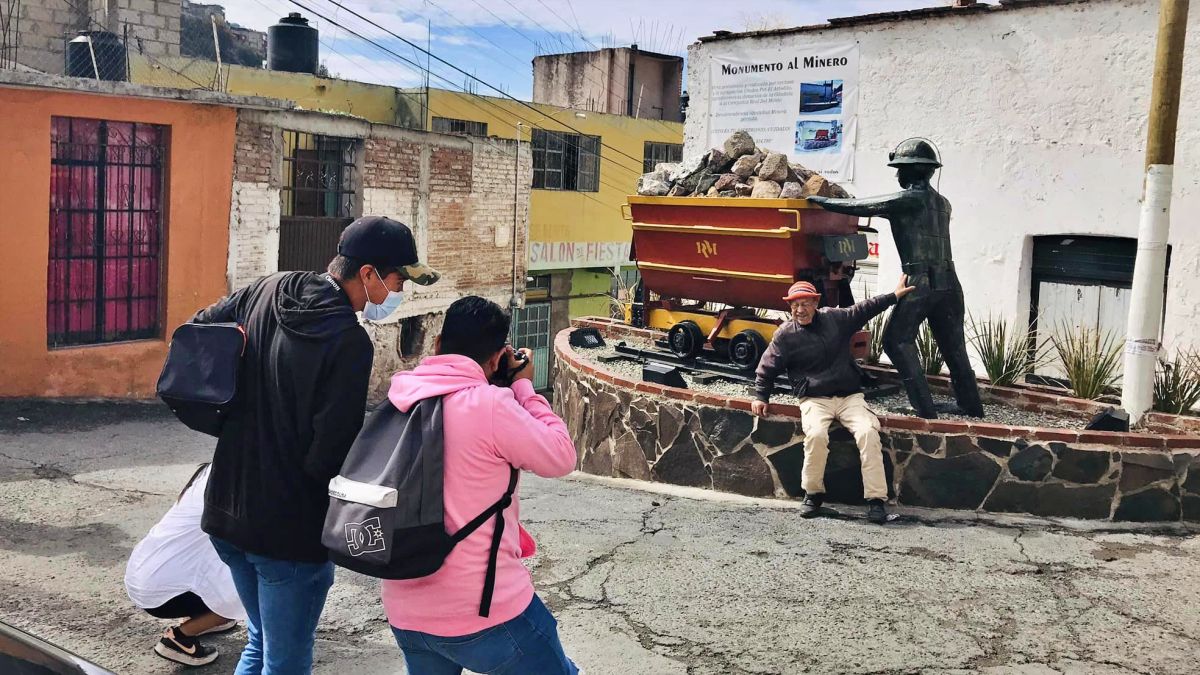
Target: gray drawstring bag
[{"x": 385, "y": 516}]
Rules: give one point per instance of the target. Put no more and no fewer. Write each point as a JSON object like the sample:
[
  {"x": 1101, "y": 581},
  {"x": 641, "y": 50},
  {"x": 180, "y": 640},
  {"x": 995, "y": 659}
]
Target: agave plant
[
  {"x": 1007, "y": 353},
  {"x": 618, "y": 295},
  {"x": 1089, "y": 358},
  {"x": 928, "y": 352},
  {"x": 875, "y": 349},
  {"x": 1177, "y": 383}
]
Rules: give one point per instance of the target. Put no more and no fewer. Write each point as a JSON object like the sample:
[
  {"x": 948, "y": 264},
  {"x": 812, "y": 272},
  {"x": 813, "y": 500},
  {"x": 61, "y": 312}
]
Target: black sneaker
[
  {"x": 876, "y": 513},
  {"x": 811, "y": 506},
  {"x": 180, "y": 648}
]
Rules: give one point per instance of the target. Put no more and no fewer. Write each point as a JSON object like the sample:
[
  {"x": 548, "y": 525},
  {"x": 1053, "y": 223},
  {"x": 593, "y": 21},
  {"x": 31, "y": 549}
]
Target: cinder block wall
[{"x": 46, "y": 25}]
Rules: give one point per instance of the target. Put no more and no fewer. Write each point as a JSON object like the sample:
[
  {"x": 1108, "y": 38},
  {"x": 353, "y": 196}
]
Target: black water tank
[
  {"x": 108, "y": 49},
  {"x": 292, "y": 45}
]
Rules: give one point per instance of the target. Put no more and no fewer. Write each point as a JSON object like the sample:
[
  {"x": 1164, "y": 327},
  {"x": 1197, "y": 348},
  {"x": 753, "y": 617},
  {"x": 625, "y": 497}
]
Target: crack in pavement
[
  {"x": 53, "y": 472},
  {"x": 18, "y": 459},
  {"x": 696, "y": 657}
]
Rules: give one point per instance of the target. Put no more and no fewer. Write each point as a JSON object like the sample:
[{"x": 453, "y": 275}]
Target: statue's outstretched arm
[{"x": 882, "y": 205}]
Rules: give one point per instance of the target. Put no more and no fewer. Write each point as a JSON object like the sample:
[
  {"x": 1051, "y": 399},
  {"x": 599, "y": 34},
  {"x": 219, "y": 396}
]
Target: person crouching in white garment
[{"x": 174, "y": 573}]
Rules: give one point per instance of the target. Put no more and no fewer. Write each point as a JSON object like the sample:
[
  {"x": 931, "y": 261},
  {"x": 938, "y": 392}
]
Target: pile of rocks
[{"x": 737, "y": 169}]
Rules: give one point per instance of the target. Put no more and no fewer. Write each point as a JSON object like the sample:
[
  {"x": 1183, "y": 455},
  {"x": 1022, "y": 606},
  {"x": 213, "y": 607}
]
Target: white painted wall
[
  {"x": 1040, "y": 113},
  {"x": 253, "y": 232}
]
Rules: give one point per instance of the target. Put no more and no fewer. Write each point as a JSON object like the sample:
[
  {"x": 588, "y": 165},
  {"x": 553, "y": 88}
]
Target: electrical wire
[
  {"x": 503, "y": 111},
  {"x": 507, "y": 115},
  {"x": 578, "y": 30},
  {"x": 594, "y": 46},
  {"x": 535, "y": 22},
  {"x": 638, "y": 162},
  {"x": 606, "y": 87},
  {"x": 423, "y": 101}
]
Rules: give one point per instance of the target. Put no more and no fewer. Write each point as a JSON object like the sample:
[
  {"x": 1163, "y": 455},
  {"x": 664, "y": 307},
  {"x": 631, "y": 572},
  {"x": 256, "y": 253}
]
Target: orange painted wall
[{"x": 199, "y": 181}]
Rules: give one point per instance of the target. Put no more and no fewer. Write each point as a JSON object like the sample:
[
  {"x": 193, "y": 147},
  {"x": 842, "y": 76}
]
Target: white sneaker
[{"x": 220, "y": 628}]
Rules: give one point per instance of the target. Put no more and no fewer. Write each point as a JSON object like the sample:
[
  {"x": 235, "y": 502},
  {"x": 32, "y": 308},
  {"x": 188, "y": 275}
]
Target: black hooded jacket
[{"x": 301, "y": 397}]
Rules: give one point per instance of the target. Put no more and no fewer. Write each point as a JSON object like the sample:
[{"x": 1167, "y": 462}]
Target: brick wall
[
  {"x": 392, "y": 164},
  {"x": 457, "y": 194},
  {"x": 392, "y": 181}
]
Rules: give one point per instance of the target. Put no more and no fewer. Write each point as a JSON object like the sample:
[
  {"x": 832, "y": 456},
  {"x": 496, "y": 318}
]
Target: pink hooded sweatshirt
[{"x": 486, "y": 428}]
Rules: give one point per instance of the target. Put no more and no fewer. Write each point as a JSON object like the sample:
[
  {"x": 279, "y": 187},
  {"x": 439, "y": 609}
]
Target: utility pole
[{"x": 1149, "y": 272}]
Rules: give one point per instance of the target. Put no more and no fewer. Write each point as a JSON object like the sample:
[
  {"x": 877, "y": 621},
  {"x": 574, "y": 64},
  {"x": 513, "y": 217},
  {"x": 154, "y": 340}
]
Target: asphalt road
[{"x": 642, "y": 581}]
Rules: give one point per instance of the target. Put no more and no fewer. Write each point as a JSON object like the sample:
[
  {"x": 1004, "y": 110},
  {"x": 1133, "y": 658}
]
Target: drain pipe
[
  {"x": 1149, "y": 273},
  {"x": 516, "y": 214}
]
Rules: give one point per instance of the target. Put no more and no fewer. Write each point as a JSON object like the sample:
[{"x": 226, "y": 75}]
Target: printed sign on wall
[
  {"x": 802, "y": 101},
  {"x": 551, "y": 255}
]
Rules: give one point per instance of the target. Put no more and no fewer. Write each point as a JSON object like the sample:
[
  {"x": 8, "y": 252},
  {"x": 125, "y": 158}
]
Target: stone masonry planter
[{"x": 650, "y": 432}]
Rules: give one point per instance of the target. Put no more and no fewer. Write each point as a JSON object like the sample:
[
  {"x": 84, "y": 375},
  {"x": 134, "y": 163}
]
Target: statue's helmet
[{"x": 914, "y": 151}]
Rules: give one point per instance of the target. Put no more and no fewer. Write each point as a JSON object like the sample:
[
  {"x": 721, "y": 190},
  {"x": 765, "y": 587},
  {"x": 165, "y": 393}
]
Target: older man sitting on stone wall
[{"x": 814, "y": 350}]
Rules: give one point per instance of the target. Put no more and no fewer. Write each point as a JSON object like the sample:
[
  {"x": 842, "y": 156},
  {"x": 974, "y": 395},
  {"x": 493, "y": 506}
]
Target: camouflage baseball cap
[
  {"x": 383, "y": 242},
  {"x": 421, "y": 273}
]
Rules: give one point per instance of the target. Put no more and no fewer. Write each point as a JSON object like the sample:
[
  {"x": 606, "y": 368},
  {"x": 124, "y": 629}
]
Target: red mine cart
[{"x": 743, "y": 253}]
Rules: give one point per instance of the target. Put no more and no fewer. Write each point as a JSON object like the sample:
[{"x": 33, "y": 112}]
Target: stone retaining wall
[{"x": 650, "y": 432}]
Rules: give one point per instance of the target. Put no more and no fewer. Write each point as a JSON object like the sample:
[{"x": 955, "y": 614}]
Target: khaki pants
[{"x": 816, "y": 415}]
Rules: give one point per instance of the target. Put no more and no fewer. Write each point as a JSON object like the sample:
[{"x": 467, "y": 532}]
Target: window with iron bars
[
  {"x": 319, "y": 177},
  {"x": 657, "y": 153},
  {"x": 564, "y": 161},
  {"x": 106, "y": 215},
  {"x": 537, "y": 287},
  {"x": 317, "y": 198},
  {"x": 447, "y": 125}
]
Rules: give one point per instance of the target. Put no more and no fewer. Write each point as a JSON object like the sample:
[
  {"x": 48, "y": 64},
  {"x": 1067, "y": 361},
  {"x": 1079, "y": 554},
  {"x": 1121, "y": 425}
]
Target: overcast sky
[{"x": 495, "y": 40}]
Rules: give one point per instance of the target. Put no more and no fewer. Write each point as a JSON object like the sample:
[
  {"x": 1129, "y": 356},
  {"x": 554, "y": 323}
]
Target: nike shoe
[
  {"x": 180, "y": 648},
  {"x": 220, "y": 628}
]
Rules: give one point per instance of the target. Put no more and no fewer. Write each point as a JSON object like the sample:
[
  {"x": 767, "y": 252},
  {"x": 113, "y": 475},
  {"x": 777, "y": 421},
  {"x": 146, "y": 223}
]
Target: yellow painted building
[
  {"x": 569, "y": 229},
  {"x": 373, "y": 102}
]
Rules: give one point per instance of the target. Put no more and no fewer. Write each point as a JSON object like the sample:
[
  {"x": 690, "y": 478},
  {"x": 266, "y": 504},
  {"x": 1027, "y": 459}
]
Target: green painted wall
[{"x": 587, "y": 282}]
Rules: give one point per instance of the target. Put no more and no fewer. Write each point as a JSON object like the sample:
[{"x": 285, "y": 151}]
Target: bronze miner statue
[{"x": 920, "y": 219}]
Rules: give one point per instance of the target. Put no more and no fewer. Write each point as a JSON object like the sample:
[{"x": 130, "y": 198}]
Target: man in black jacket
[
  {"x": 301, "y": 398},
  {"x": 814, "y": 350}
]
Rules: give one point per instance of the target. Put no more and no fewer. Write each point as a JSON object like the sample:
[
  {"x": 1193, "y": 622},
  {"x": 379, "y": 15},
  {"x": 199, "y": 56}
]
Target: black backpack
[
  {"x": 200, "y": 376},
  {"x": 385, "y": 516}
]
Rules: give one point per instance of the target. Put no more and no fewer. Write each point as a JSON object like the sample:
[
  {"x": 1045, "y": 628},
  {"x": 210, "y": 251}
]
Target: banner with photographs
[{"x": 802, "y": 100}]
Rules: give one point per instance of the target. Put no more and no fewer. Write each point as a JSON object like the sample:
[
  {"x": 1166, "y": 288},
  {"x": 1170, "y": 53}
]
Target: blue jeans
[
  {"x": 283, "y": 601},
  {"x": 525, "y": 645}
]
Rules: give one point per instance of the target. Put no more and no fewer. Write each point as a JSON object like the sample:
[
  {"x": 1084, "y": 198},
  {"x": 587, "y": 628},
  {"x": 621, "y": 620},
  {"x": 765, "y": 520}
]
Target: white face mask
[{"x": 381, "y": 311}]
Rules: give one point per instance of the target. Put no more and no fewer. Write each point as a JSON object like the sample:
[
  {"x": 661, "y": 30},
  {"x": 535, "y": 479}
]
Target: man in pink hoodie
[{"x": 487, "y": 429}]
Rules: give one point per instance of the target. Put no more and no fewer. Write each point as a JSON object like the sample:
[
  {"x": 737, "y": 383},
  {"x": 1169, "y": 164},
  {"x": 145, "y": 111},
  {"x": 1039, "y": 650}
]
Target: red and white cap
[{"x": 801, "y": 289}]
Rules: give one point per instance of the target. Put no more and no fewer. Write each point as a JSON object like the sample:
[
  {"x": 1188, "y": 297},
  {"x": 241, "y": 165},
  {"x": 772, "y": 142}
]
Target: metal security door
[
  {"x": 531, "y": 329},
  {"x": 1081, "y": 282}
]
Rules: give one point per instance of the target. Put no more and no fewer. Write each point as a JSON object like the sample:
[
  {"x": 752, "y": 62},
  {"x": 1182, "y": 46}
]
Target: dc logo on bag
[{"x": 365, "y": 537}]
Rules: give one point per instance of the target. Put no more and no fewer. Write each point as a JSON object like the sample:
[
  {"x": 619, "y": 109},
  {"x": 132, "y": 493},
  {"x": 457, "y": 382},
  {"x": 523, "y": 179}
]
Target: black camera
[{"x": 504, "y": 375}]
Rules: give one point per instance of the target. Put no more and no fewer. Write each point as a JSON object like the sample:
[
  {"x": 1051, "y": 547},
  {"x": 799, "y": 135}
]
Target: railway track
[{"x": 705, "y": 370}]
